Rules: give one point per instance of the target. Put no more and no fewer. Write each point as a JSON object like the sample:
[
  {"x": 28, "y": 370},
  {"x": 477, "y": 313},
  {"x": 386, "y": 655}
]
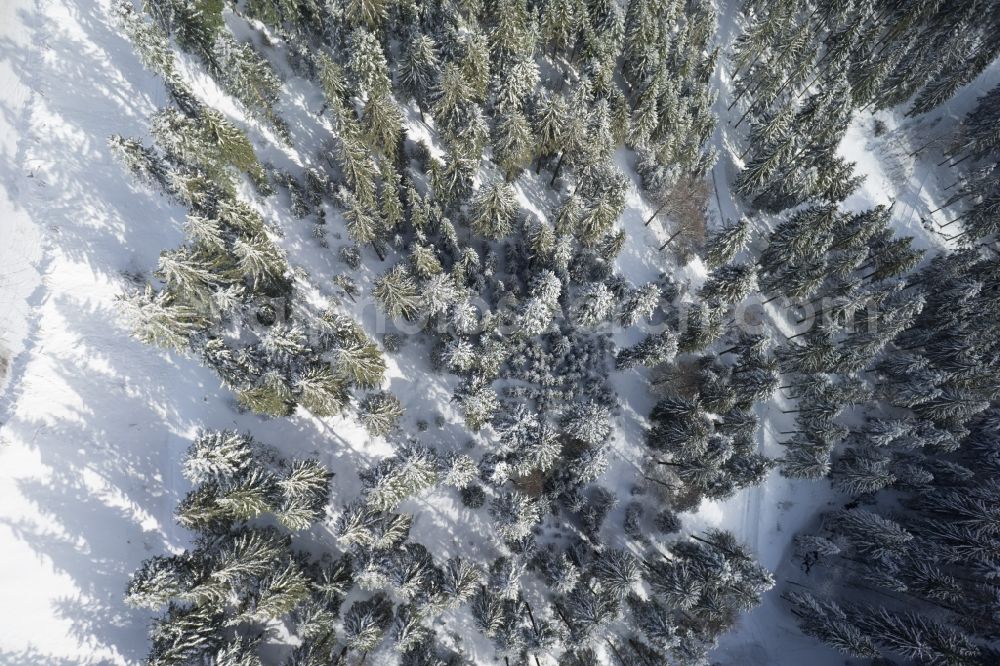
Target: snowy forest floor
[{"x": 93, "y": 424}]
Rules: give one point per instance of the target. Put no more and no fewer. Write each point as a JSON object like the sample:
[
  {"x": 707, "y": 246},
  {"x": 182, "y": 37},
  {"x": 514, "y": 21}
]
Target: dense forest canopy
[{"x": 481, "y": 174}]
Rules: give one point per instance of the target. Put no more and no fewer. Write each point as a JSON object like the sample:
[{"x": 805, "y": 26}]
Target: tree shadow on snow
[{"x": 107, "y": 417}]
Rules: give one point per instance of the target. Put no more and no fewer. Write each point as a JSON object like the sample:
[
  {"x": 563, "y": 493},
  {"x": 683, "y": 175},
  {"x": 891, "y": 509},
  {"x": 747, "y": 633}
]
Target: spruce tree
[
  {"x": 367, "y": 63},
  {"x": 513, "y": 144},
  {"x": 515, "y": 515},
  {"x": 419, "y": 69},
  {"x": 397, "y": 293},
  {"x": 155, "y": 319},
  {"x": 730, "y": 284},
  {"x": 380, "y": 412},
  {"x": 651, "y": 351},
  {"x": 494, "y": 210},
  {"x": 723, "y": 246}
]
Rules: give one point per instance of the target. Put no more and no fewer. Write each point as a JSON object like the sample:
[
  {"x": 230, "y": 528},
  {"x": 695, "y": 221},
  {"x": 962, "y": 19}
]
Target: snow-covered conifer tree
[
  {"x": 494, "y": 210},
  {"x": 723, "y": 246},
  {"x": 380, "y": 412},
  {"x": 515, "y": 515}
]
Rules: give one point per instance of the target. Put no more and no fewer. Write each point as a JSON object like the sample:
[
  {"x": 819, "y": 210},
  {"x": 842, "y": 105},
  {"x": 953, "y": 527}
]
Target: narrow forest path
[{"x": 767, "y": 516}]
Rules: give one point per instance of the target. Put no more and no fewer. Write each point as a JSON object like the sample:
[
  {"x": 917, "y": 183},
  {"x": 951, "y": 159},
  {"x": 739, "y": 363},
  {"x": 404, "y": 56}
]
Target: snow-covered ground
[
  {"x": 93, "y": 423},
  {"x": 20, "y": 240}
]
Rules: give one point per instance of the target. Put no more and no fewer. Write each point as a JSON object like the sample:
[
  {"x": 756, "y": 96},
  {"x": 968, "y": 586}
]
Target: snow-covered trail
[{"x": 765, "y": 517}]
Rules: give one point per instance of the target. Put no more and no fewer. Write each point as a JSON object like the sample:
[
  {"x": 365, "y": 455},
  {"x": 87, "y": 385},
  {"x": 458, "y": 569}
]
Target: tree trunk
[
  {"x": 555, "y": 174},
  {"x": 562, "y": 616},
  {"x": 676, "y": 234},
  {"x": 947, "y": 158},
  {"x": 655, "y": 213},
  {"x": 744, "y": 116},
  {"x": 739, "y": 97},
  {"x": 810, "y": 84},
  {"x": 950, "y": 201},
  {"x": 922, "y": 147},
  {"x": 961, "y": 160},
  {"x": 662, "y": 483},
  {"x": 617, "y": 654},
  {"x": 718, "y": 199},
  {"x": 531, "y": 615},
  {"x": 713, "y": 545}
]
